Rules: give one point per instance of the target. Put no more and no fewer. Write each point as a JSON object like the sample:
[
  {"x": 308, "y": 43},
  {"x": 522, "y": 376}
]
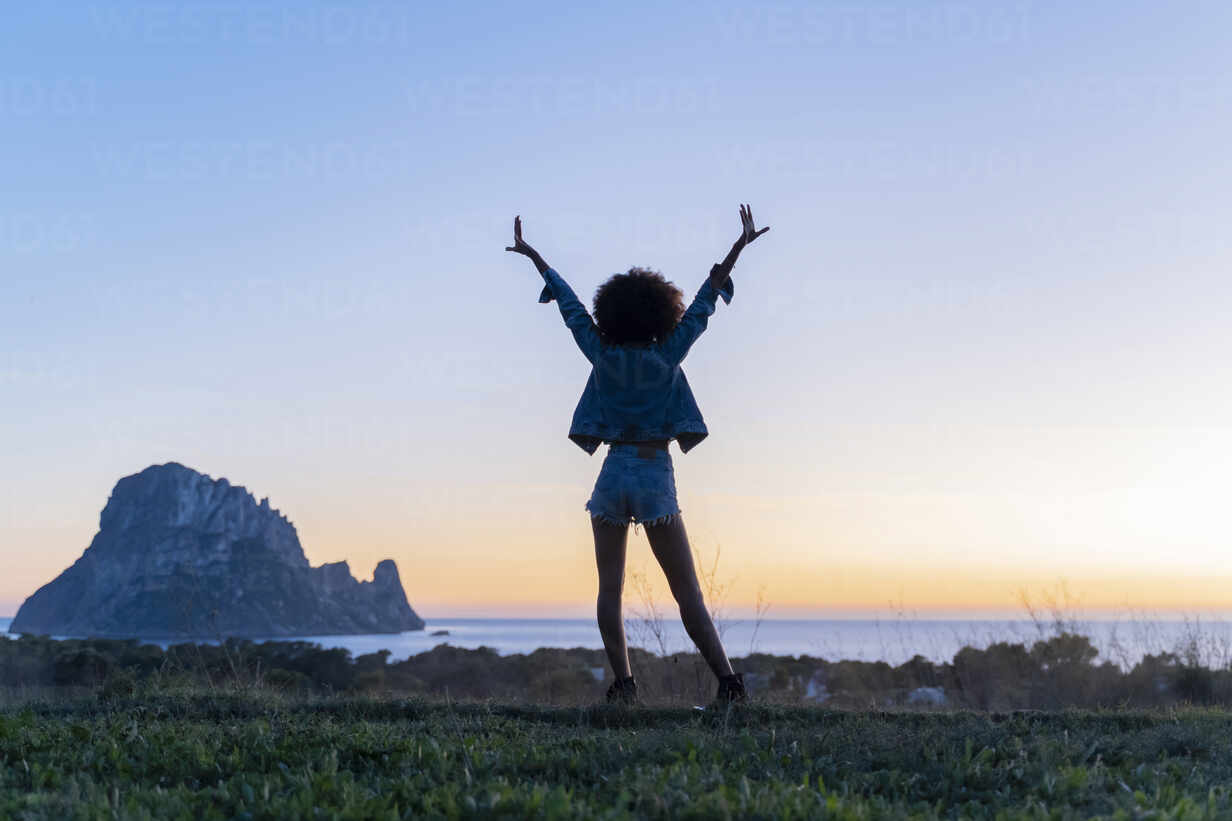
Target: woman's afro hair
[{"x": 637, "y": 307}]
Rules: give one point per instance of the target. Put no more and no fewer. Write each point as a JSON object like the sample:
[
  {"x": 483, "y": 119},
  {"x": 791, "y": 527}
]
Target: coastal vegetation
[{"x": 1058, "y": 671}]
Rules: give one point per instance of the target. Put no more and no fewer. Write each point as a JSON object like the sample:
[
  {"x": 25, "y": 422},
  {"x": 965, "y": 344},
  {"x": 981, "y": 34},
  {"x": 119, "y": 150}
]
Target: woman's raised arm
[
  {"x": 718, "y": 284},
  {"x": 576, "y": 317}
]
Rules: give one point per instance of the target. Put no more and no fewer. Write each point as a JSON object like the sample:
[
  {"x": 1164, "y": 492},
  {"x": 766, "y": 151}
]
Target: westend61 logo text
[{"x": 187, "y": 23}]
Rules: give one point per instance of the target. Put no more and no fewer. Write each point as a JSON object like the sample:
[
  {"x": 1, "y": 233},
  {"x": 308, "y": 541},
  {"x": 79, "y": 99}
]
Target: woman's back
[{"x": 636, "y": 385}]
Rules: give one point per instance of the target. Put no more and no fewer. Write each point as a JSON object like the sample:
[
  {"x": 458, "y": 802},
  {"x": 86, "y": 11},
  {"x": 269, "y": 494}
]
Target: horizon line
[{"x": 1093, "y": 615}]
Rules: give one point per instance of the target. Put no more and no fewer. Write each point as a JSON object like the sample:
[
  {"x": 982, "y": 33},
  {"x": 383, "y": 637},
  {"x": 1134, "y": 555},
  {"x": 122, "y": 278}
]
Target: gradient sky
[{"x": 983, "y": 348}]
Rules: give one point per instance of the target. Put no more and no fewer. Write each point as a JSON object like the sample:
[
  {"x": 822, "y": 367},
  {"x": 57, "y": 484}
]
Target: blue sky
[{"x": 985, "y": 339}]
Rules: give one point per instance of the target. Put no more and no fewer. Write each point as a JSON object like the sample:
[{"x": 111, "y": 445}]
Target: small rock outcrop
[{"x": 181, "y": 555}]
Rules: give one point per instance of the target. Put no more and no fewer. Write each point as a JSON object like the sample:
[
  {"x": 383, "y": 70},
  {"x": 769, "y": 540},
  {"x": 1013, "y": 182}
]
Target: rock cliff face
[{"x": 181, "y": 555}]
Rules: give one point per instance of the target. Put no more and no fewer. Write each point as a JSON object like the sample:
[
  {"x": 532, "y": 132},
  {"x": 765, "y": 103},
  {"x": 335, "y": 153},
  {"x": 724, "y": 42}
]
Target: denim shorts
[{"x": 641, "y": 489}]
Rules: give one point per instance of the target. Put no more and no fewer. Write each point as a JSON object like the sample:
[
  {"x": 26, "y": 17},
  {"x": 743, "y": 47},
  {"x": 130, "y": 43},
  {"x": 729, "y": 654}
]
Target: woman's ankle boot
[
  {"x": 622, "y": 691},
  {"x": 731, "y": 689}
]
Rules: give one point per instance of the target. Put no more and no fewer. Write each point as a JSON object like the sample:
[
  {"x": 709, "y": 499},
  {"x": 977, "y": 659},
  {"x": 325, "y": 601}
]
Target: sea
[{"x": 1123, "y": 642}]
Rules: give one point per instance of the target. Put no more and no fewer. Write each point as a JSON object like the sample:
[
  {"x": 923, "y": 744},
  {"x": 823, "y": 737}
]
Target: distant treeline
[{"x": 1055, "y": 672}]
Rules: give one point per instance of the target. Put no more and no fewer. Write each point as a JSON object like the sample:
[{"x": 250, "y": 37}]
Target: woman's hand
[
  {"x": 520, "y": 246},
  {"x": 749, "y": 231},
  {"x": 720, "y": 272}
]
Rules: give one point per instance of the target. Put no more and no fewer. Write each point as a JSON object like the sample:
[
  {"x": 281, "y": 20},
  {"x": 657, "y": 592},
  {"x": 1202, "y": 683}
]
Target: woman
[{"x": 637, "y": 400}]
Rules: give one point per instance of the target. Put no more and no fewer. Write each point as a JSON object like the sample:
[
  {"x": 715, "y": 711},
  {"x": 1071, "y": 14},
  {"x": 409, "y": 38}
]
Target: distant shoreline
[{"x": 893, "y": 641}]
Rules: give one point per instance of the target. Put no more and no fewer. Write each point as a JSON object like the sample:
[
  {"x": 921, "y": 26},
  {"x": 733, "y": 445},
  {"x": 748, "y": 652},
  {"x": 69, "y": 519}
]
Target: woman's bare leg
[
  {"x": 610, "y": 541},
  {"x": 670, "y": 544}
]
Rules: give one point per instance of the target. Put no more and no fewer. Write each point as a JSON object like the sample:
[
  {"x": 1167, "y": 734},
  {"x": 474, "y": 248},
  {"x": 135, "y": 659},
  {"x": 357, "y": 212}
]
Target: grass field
[{"x": 211, "y": 755}]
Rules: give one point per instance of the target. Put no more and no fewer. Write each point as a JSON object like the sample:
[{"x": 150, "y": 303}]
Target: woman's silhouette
[{"x": 637, "y": 400}]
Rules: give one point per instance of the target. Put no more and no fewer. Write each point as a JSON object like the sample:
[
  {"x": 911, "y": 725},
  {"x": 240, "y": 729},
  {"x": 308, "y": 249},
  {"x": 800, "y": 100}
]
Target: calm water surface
[{"x": 893, "y": 641}]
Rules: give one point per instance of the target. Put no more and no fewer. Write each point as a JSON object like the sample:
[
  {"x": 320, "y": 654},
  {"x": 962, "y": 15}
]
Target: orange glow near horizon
[{"x": 857, "y": 591}]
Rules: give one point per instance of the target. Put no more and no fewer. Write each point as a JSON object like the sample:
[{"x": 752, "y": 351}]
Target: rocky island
[{"x": 181, "y": 555}]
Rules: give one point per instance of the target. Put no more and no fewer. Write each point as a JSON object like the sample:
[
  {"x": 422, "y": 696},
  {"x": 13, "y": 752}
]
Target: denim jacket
[{"x": 635, "y": 392}]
